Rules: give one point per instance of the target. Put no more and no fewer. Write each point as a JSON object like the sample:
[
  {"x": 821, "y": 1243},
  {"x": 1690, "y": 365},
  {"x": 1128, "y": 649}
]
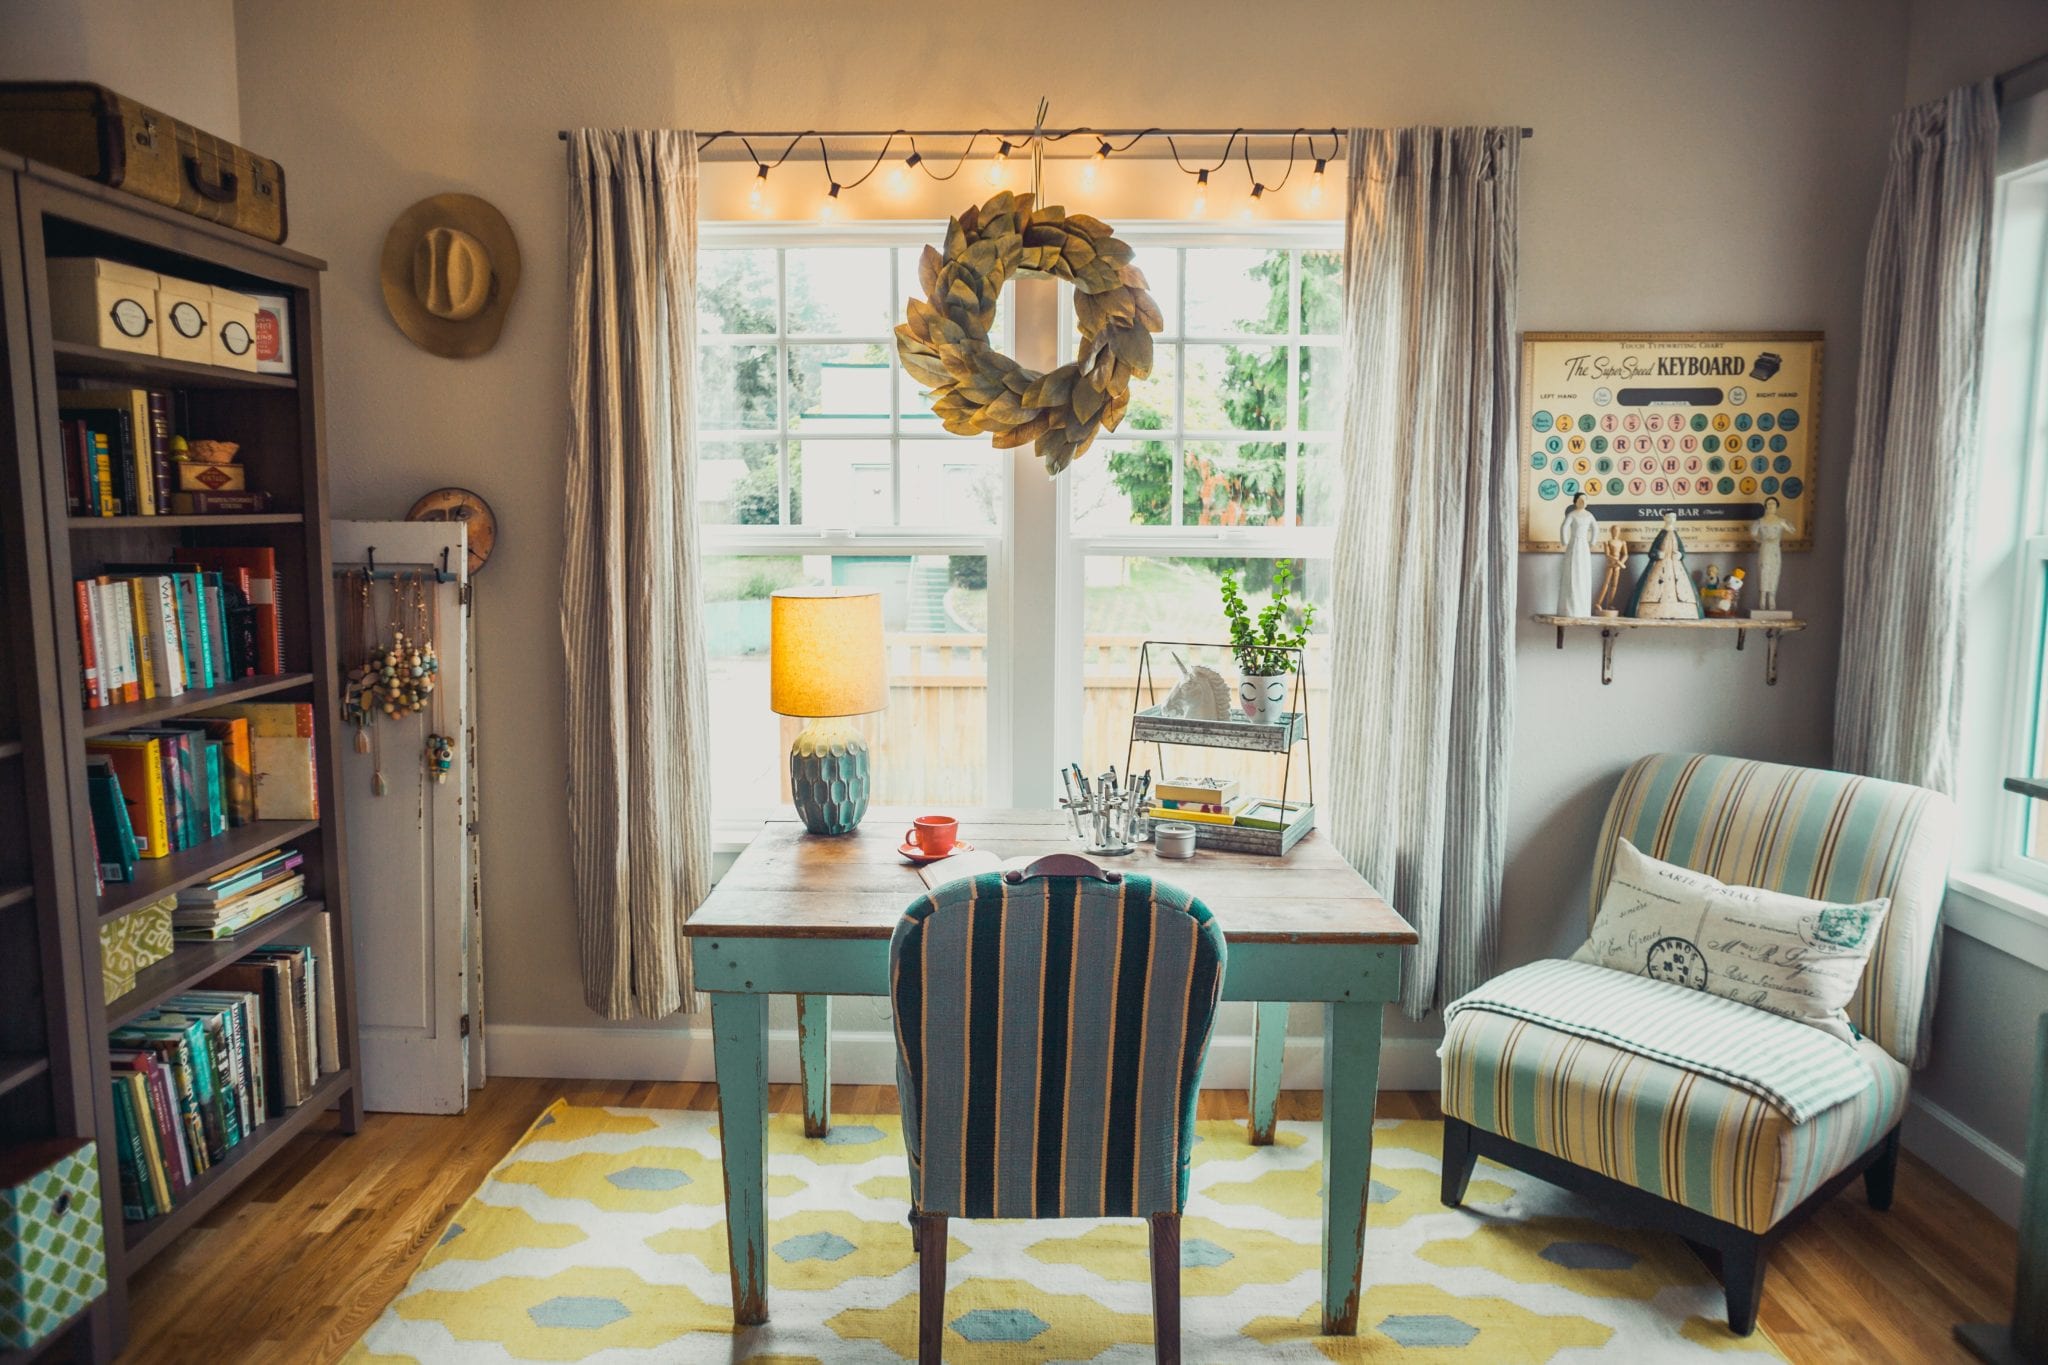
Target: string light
[
  {"x": 1315, "y": 180},
  {"x": 757, "y": 197},
  {"x": 1200, "y": 205},
  {"x": 830, "y": 201},
  {"x": 899, "y": 176},
  {"x": 1251, "y": 202},
  {"x": 1088, "y": 169},
  {"x": 998, "y": 169}
]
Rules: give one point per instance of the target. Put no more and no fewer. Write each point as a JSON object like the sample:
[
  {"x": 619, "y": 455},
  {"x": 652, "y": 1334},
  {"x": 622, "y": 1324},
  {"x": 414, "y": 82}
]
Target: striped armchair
[
  {"x": 1682, "y": 1148},
  {"x": 1050, "y": 1031}
]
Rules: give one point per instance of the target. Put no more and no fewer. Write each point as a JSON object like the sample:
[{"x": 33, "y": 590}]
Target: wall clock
[{"x": 459, "y": 504}]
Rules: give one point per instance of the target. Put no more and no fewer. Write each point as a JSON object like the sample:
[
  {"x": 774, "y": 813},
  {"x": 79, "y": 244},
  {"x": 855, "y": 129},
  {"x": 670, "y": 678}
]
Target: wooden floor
[{"x": 299, "y": 1263}]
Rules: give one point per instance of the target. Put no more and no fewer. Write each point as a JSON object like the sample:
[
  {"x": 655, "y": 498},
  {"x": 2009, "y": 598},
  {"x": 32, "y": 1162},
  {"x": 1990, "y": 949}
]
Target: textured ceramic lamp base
[{"x": 828, "y": 776}]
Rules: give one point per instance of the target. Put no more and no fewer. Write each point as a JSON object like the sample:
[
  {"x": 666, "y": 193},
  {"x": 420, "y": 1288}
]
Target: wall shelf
[{"x": 1611, "y": 628}]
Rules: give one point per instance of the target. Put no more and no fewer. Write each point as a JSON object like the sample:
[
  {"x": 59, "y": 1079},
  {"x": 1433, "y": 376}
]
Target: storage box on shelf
[{"x": 275, "y": 420}]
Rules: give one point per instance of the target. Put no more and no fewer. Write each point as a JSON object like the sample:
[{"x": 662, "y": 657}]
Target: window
[{"x": 1014, "y": 607}]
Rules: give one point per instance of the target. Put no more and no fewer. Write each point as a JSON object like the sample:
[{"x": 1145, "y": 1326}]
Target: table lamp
[{"x": 825, "y": 664}]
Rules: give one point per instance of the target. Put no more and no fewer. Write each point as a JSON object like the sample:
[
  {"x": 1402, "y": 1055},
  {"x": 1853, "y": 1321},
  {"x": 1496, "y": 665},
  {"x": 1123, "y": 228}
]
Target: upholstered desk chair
[
  {"x": 1050, "y": 1029},
  {"x": 1679, "y": 1149}
]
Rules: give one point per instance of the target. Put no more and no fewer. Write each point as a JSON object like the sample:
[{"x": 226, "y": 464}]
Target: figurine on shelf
[
  {"x": 1615, "y": 547},
  {"x": 1769, "y": 530},
  {"x": 1665, "y": 591},
  {"x": 1575, "y": 576}
]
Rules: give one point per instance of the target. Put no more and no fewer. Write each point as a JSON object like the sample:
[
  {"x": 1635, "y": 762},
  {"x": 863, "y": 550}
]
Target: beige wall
[
  {"x": 1701, "y": 166},
  {"x": 1951, "y": 42},
  {"x": 178, "y": 55}
]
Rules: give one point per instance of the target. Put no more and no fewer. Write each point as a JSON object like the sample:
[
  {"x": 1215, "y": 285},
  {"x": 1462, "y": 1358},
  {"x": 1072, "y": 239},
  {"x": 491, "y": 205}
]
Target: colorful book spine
[
  {"x": 135, "y": 1195},
  {"x": 88, "y": 644},
  {"x": 103, "y": 474},
  {"x": 140, "y": 610},
  {"x": 137, "y": 765},
  {"x": 161, "y": 420}
]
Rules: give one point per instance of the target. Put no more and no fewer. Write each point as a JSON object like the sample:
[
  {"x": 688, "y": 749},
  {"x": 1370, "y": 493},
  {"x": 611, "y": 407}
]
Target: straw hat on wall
[{"x": 450, "y": 267}]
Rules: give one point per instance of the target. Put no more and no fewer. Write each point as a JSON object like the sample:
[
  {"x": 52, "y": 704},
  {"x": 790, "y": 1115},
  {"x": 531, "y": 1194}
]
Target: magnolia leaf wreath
[{"x": 975, "y": 388}]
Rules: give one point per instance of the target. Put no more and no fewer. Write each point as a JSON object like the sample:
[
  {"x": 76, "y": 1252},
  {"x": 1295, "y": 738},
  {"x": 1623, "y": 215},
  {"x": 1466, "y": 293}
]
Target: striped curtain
[
  {"x": 1425, "y": 591},
  {"x": 639, "y": 799},
  {"x": 1913, "y": 468}
]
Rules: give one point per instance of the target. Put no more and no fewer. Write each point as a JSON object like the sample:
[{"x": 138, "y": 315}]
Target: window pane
[
  {"x": 1131, "y": 600},
  {"x": 1322, "y": 291},
  {"x": 1322, "y": 387},
  {"x": 1235, "y": 289},
  {"x": 1123, "y": 483},
  {"x": 1236, "y": 388},
  {"x": 929, "y": 747},
  {"x": 1153, "y": 396},
  {"x": 1234, "y": 485},
  {"x": 735, "y": 387},
  {"x": 1316, "y": 478},
  {"x": 845, "y": 483},
  {"x": 951, "y": 482},
  {"x": 736, "y": 291},
  {"x": 839, "y": 291},
  {"x": 737, "y": 483},
  {"x": 840, "y": 388},
  {"x": 2034, "y": 830}
]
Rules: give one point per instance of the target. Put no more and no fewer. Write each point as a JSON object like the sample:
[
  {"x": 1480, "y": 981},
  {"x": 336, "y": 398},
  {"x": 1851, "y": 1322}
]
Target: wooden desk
[{"x": 811, "y": 917}]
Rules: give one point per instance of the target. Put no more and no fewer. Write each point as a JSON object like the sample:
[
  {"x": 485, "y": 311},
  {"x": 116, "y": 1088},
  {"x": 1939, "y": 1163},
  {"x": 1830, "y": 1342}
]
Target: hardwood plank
[{"x": 331, "y": 1230}]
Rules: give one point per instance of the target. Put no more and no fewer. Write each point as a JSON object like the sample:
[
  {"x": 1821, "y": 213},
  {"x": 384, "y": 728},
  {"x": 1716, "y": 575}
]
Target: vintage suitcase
[
  {"x": 91, "y": 131},
  {"x": 52, "y": 1247}
]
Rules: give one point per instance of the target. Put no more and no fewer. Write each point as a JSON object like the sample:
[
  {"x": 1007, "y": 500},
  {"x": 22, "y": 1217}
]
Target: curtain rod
[
  {"x": 1021, "y": 134},
  {"x": 2032, "y": 66}
]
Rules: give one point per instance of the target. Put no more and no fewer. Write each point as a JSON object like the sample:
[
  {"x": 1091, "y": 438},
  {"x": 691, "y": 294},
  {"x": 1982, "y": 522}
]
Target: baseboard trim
[
  {"x": 866, "y": 1057},
  {"x": 1980, "y": 1167}
]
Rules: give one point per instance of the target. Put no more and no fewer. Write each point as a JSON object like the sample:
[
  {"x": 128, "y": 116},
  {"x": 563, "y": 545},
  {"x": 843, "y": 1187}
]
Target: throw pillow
[{"x": 1786, "y": 954}]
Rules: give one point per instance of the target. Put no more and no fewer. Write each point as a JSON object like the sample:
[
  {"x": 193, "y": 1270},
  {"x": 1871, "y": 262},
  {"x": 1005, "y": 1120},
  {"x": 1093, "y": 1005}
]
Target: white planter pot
[{"x": 1263, "y": 697}]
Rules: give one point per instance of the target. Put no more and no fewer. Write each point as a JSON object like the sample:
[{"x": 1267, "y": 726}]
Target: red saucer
[{"x": 918, "y": 855}]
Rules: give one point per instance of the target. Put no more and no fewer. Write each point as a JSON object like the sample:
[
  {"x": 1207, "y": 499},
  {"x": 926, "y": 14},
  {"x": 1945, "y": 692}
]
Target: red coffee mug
[{"x": 934, "y": 834}]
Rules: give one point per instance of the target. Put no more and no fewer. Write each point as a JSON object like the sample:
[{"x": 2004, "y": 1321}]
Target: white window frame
[{"x": 1033, "y": 545}]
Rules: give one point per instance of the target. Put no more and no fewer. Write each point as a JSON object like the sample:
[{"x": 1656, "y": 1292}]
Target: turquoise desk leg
[
  {"x": 814, "y": 1055},
  {"x": 739, "y": 1028},
  {"x": 1351, "y": 1080},
  {"x": 1269, "y": 1048}
]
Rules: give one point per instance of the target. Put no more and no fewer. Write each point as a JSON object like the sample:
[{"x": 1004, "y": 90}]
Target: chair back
[
  {"x": 1806, "y": 832},
  {"x": 1049, "y": 1043}
]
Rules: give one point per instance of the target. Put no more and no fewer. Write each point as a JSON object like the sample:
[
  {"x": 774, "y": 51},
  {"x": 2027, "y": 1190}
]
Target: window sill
[{"x": 2005, "y": 914}]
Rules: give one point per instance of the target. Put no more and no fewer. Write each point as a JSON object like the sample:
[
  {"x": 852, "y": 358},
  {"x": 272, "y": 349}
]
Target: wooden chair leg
[
  {"x": 1166, "y": 1288},
  {"x": 931, "y": 1287},
  {"x": 1742, "y": 1274},
  {"x": 1879, "y": 1178},
  {"x": 1460, "y": 1155}
]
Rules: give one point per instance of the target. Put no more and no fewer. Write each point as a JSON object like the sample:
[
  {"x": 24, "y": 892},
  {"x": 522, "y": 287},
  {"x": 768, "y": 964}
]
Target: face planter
[{"x": 1263, "y": 697}]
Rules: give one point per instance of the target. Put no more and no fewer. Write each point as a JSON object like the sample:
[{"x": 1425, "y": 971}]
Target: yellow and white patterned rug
[{"x": 601, "y": 1238}]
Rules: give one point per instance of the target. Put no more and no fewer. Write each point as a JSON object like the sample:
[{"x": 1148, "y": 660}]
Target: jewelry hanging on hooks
[
  {"x": 440, "y": 748},
  {"x": 358, "y": 703}
]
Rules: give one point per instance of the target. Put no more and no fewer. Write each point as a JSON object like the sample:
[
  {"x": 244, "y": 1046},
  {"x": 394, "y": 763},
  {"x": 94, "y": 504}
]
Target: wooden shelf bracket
[{"x": 1612, "y": 627}]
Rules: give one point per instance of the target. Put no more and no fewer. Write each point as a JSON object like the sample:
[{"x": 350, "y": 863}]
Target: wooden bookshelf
[{"x": 277, "y": 420}]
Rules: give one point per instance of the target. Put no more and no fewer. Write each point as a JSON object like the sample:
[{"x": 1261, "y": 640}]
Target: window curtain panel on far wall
[
  {"x": 1913, "y": 468},
  {"x": 639, "y": 797},
  {"x": 1425, "y": 591}
]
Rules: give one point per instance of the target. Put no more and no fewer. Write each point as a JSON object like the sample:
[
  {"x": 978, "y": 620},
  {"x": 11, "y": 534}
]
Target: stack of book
[
  {"x": 117, "y": 451},
  {"x": 200, "y": 621},
  {"x": 159, "y": 789},
  {"x": 194, "y": 1079},
  {"x": 1215, "y": 801},
  {"x": 240, "y": 896}
]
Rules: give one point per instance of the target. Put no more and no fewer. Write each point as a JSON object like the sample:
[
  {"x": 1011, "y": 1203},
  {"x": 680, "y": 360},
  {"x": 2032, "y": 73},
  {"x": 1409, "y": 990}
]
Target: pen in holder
[{"x": 1108, "y": 815}]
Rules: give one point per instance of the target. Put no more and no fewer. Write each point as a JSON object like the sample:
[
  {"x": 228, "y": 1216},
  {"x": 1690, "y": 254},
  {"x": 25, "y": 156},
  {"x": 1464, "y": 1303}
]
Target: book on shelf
[
  {"x": 230, "y": 919},
  {"x": 244, "y": 877},
  {"x": 139, "y": 791},
  {"x": 113, "y": 833},
  {"x": 1199, "y": 791},
  {"x": 148, "y": 630},
  {"x": 283, "y": 762},
  {"x": 203, "y": 502},
  {"x": 253, "y": 570},
  {"x": 1192, "y": 816}
]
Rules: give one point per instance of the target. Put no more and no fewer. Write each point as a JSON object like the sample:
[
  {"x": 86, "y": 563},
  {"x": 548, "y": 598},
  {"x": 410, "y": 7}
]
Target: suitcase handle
[{"x": 222, "y": 191}]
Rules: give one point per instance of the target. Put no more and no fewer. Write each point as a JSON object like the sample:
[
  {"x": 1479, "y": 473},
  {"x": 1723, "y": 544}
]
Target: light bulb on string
[
  {"x": 1088, "y": 170},
  {"x": 757, "y": 195},
  {"x": 1315, "y": 181},
  {"x": 830, "y": 203},
  {"x": 1251, "y": 203},
  {"x": 1200, "y": 205},
  {"x": 899, "y": 176},
  {"x": 999, "y": 169}
]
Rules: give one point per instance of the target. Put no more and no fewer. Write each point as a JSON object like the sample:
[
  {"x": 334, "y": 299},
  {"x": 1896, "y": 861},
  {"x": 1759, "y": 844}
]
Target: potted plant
[{"x": 1265, "y": 646}]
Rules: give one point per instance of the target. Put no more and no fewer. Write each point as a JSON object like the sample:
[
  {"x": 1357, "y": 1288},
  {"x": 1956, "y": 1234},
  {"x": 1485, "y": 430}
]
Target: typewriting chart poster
[{"x": 1702, "y": 425}]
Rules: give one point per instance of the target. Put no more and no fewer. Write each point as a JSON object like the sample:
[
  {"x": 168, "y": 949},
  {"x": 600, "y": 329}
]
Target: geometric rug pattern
[{"x": 600, "y": 1238}]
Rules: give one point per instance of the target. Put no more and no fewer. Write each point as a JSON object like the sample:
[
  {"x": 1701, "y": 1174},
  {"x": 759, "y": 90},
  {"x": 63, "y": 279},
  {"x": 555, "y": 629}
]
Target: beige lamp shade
[{"x": 825, "y": 653}]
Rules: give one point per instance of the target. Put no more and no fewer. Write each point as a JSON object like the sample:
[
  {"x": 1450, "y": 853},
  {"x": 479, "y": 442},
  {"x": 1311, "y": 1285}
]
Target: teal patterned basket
[{"x": 53, "y": 1260}]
